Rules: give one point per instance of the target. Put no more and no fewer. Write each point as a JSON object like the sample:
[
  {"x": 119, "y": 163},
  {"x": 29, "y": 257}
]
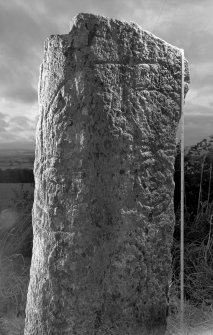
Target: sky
[{"x": 25, "y": 24}]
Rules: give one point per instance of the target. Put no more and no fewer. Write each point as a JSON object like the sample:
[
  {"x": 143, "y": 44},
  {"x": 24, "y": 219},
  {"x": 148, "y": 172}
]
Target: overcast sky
[{"x": 25, "y": 24}]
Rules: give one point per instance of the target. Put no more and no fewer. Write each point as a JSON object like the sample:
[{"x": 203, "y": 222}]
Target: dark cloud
[
  {"x": 16, "y": 85},
  {"x": 18, "y": 30},
  {"x": 24, "y": 27},
  {"x": 2, "y": 115},
  {"x": 16, "y": 128},
  {"x": 197, "y": 127},
  {"x": 198, "y": 46},
  {"x": 22, "y": 124},
  {"x": 26, "y": 95},
  {"x": 202, "y": 81},
  {"x": 21, "y": 121},
  {"x": 3, "y": 125},
  {"x": 191, "y": 109}
]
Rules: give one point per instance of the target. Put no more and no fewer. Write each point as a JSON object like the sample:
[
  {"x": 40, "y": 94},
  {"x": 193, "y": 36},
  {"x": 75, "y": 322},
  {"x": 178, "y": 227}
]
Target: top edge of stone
[{"x": 86, "y": 17}]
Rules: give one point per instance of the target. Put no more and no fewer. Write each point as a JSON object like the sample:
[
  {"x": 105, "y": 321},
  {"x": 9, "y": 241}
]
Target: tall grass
[
  {"x": 198, "y": 266},
  {"x": 14, "y": 267},
  {"x": 14, "y": 280}
]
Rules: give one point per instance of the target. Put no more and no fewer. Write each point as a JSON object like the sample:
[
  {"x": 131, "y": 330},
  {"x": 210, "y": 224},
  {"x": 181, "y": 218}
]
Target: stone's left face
[{"x": 103, "y": 213}]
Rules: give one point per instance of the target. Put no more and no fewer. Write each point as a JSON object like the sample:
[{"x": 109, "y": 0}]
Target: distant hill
[
  {"x": 16, "y": 159},
  {"x": 27, "y": 145},
  {"x": 202, "y": 149}
]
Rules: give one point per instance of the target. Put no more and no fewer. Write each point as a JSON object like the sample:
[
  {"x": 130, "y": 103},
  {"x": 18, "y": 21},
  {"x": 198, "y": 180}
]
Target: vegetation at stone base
[{"x": 197, "y": 320}]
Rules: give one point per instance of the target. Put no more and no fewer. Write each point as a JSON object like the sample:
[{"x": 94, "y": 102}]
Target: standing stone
[{"x": 103, "y": 213}]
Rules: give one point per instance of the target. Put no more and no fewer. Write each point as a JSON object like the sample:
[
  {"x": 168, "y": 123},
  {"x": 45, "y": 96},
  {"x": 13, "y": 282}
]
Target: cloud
[
  {"x": 25, "y": 24},
  {"x": 2, "y": 115},
  {"x": 21, "y": 121},
  {"x": 3, "y": 126},
  {"x": 16, "y": 128},
  {"x": 202, "y": 81},
  {"x": 201, "y": 86},
  {"x": 10, "y": 138},
  {"x": 200, "y": 98},
  {"x": 191, "y": 109},
  {"x": 16, "y": 85},
  {"x": 22, "y": 127},
  {"x": 197, "y": 127},
  {"x": 18, "y": 30}
]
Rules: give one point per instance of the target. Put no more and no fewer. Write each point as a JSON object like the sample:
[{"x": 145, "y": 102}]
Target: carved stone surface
[{"x": 103, "y": 213}]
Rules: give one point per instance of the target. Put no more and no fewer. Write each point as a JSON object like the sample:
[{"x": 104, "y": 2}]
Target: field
[{"x": 7, "y": 193}]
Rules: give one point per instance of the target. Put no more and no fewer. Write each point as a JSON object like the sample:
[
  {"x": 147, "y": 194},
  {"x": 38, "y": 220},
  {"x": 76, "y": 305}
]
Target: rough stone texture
[{"x": 103, "y": 212}]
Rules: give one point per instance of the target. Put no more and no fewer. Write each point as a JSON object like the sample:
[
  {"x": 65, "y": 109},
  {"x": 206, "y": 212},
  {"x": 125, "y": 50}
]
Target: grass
[
  {"x": 14, "y": 280},
  {"x": 198, "y": 268},
  {"x": 15, "y": 232},
  {"x": 198, "y": 280},
  {"x": 12, "y": 325},
  {"x": 8, "y": 193},
  {"x": 197, "y": 320}
]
